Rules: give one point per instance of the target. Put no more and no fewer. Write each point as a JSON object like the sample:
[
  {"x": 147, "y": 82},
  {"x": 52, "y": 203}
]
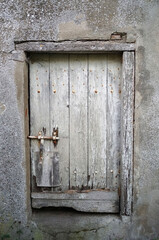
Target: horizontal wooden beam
[
  {"x": 74, "y": 46},
  {"x": 93, "y": 201}
]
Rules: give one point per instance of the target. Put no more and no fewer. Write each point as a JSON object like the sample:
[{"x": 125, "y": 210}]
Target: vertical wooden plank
[
  {"x": 59, "y": 115},
  {"x": 39, "y": 116},
  {"x": 113, "y": 119},
  {"x": 97, "y": 120},
  {"x": 78, "y": 121},
  {"x": 127, "y": 132}
]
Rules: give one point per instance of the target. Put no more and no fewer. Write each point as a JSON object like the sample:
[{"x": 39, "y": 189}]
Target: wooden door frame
[{"x": 127, "y": 103}]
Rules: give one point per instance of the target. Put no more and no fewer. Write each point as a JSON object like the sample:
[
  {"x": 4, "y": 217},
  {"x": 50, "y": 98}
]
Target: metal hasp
[
  {"x": 40, "y": 137},
  {"x": 55, "y": 136}
]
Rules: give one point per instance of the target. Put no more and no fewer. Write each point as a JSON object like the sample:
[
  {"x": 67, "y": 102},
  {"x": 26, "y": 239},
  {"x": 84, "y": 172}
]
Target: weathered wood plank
[
  {"x": 75, "y": 46},
  {"x": 59, "y": 114},
  {"x": 79, "y": 205},
  {"x": 78, "y": 121},
  {"x": 39, "y": 117},
  {"x": 113, "y": 119},
  {"x": 95, "y": 201},
  {"x": 56, "y": 162},
  {"x": 97, "y": 120},
  {"x": 45, "y": 169},
  {"x": 127, "y": 132},
  {"x": 81, "y": 195}
]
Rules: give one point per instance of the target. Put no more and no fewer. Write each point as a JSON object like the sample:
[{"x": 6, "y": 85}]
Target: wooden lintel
[{"x": 75, "y": 46}]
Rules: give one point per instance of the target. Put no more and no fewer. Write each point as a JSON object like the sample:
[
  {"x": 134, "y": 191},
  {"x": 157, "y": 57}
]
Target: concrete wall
[{"x": 54, "y": 20}]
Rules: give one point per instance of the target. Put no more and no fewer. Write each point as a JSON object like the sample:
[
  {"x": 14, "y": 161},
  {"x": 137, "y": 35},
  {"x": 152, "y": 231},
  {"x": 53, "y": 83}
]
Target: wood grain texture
[
  {"x": 97, "y": 120},
  {"x": 39, "y": 116},
  {"x": 78, "y": 121},
  {"x": 94, "y": 201},
  {"x": 127, "y": 132},
  {"x": 75, "y": 46},
  {"x": 59, "y": 113},
  {"x": 113, "y": 119}
]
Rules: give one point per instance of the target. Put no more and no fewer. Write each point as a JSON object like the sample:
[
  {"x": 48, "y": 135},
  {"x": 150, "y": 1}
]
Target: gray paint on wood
[
  {"x": 78, "y": 195},
  {"x": 56, "y": 176},
  {"x": 59, "y": 113},
  {"x": 75, "y": 46},
  {"x": 113, "y": 120},
  {"x": 97, "y": 120},
  {"x": 40, "y": 115},
  {"x": 93, "y": 201},
  {"x": 78, "y": 121},
  {"x": 47, "y": 170},
  {"x": 83, "y": 206},
  {"x": 127, "y": 132},
  {"x": 38, "y": 168}
]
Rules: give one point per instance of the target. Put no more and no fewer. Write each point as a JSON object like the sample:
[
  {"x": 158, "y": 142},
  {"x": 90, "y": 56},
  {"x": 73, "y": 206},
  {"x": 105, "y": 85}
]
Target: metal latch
[{"x": 40, "y": 137}]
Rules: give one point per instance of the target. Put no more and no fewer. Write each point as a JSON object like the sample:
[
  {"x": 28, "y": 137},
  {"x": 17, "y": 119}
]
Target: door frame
[{"x": 127, "y": 102}]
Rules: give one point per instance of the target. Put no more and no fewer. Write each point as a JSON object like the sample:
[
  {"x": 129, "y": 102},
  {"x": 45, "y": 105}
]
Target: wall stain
[
  {"x": 2, "y": 108},
  {"x": 146, "y": 90}
]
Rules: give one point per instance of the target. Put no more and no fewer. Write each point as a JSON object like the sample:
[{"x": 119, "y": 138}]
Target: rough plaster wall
[
  {"x": 12, "y": 173},
  {"x": 96, "y": 19}
]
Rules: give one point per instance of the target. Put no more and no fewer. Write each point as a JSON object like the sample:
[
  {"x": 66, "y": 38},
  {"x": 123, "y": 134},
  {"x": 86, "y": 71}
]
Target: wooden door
[{"x": 78, "y": 94}]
